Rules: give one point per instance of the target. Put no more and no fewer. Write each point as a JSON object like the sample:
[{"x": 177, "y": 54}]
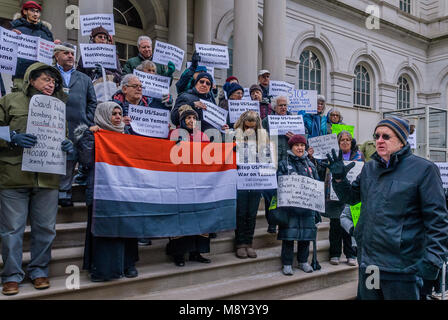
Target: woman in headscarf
[{"x": 104, "y": 258}]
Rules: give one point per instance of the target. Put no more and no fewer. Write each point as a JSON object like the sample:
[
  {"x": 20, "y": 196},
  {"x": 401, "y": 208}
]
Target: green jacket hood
[{"x": 58, "y": 93}]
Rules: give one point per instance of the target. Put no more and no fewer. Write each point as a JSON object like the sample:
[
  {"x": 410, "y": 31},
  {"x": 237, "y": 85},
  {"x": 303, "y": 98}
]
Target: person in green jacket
[{"x": 24, "y": 193}]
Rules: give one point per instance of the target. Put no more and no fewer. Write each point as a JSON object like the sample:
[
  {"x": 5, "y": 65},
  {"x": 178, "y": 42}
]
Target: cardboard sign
[
  {"x": 102, "y": 54},
  {"x": 303, "y": 100},
  {"x": 8, "y": 57},
  {"x": 336, "y": 128},
  {"x": 257, "y": 176},
  {"x": 154, "y": 85},
  {"x": 46, "y": 120},
  {"x": 351, "y": 176},
  {"x": 301, "y": 192},
  {"x": 281, "y": 125},
  {"x": 150, "y": 122},
  {"x": 238, "y": 107},
  {"x": 213, "y": 56},
  {"x": 92, "y": 21},
  {"x": 165, "y": 52},
  {"x": 45, "y": 51},
  {"x": 280, "y": 88},
  {"x": 214, "y": 115},
  {"x": 323, "y": 145}
]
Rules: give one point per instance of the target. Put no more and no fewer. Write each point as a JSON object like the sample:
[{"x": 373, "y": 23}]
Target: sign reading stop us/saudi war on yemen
[
  {"x": 281, "y": 125},
  {"x": 322, "y": 145},
  {"x": 238, "y": 107},
  {"x": 154, "y": 85},
  {"x": 103, "y": 54},
  {"x": 165, "y": 52},
  {"x": 150, "y": 122},
  {"x": 46, "y": 121},
  {"x": 257, "y": 176},
  {"x": 301, "y": 192}
]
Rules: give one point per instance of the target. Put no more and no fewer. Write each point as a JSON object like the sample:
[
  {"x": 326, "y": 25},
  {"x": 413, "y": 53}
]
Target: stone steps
[{"x": 346, "y": 291}]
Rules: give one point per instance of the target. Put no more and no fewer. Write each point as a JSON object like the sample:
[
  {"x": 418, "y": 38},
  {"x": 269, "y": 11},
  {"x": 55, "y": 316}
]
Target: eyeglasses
[
  {"x": 102, "y": 36},
  {"x": 135, "y": 86},
  {"x": 205, "y": 82},
  {"x": 34, "y": 10},
  {"x": 385, "y": 136}
]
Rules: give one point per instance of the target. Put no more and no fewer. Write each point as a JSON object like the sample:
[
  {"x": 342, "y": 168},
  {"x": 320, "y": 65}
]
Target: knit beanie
[
  {"x": 185, "y": 111},
  {"x": 201, "y": 69},
  {"x": 255, "y": 87},
  {"x": 204, "y": 75},
  {"x": 232, "y": 78},
  {"x": 98, "y": 30},
  {"x": 397, "y": 125},
  {"x": 232, "y": 87},
  {"x": 298, "y": 138}
]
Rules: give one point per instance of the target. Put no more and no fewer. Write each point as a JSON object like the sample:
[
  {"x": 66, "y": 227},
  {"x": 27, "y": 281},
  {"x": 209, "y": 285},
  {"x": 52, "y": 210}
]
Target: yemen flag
[{"x": 146, "y": 187}]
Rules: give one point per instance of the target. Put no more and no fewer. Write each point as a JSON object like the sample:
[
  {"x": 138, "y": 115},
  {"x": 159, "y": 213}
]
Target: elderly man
[
  {"x": 263, "y": 81},
  {"x": 81, "y": 106},
  {"x": 144, "y": 45},
  {"x": 402, "y": 231}
]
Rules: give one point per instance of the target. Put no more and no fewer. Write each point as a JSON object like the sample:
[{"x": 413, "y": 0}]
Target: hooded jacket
[{"x": 14, "y": 113}]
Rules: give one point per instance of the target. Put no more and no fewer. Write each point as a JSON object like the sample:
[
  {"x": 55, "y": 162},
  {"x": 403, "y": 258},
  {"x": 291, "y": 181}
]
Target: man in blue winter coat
[{"x": 402, "y": 232}]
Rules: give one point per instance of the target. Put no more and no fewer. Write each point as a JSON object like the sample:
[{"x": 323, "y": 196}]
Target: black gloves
[
  {"x": 336, "y": 165},
  {"x": 195, "y": 59}
]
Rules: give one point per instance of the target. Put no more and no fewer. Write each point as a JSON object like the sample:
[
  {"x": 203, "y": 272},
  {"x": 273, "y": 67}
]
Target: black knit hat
[
  {"x": 204, "y": 75},
  {"x": 185, "y": 111}
]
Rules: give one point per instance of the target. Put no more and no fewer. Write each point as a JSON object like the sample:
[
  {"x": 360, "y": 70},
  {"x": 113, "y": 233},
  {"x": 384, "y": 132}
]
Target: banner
[
  {"x": 102, "y": 54},
  {"x": 213, "y": 56},
  {"x": 238, "y": 107},
  {"x": 165, "y": 52},
  {"x": 323, "y": 145},
  {"x": 140, "y": 192},
  {"x": 214, "y": 115},
  {"x": 303, "y": 100},
  {"x": 351, "y": 176},
  {"x": 154, "y": 85},
  {"x": 336, "y": 128},
  {"x": 280, "y": 88},
  {"x": 92, "y": 21},
  {"x": 301, "y": 192},
  {"x": 27, "y": 45},
  {"x": 281, "y": 125},
  {"x": 8, "y": 58},
  {"x": 45, "y": 51},
  {"x": 257, "y": 176},
  {"x": 150, "y": 122},
  {"x": 46, "y": 120}
]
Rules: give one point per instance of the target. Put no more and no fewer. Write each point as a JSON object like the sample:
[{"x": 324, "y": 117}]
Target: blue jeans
[{"x": 16, "y": 204}]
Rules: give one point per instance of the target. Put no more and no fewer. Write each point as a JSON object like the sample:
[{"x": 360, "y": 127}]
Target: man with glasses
[
  {"x": 402, "y": 231},
  {"x": 263, "y": 81}
]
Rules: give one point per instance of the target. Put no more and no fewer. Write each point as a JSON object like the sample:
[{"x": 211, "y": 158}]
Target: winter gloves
[
  {"x": 336, "y": 165},
  {"x": 23, "y": 140},
  {"x": 67, "y": 146}
]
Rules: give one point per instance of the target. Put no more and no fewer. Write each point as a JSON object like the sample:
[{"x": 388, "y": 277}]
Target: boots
[{"x": 241, "y": 251}]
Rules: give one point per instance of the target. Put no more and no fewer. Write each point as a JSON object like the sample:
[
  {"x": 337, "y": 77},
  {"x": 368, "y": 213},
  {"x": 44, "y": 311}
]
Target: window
[
  {"x": 230, "y": 46},
  {"x": 405, "y": 5},
  {"x": 362, "y": 87},
  {"x": 310, "y": 72},
  {"x": 125, "y": 52},
  {"x": 403, "y": 94},
  {"x": 125, "y": 13}
]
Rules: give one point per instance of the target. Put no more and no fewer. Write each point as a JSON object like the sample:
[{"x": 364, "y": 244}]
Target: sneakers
[
  {"x": 334, "y": 261},
  {"x": 10, "y": 288},
  {"x": 352, "y": 262},
  {"x": 41, "y": 283},
  {"x": 251, "y": 252},
  {"x": 241, "y": 253},
  {"x": 179, "y": 260},
  {"x": 305, "y": 267},
  {"x": 287, "y": 270},
  {"x": 144, "y": 242}
]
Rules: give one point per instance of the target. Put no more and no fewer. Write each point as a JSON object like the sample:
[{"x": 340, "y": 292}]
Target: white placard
[
  {"x": 46, "y": 120},
  {"x": 351, "y": 176},
  {"x": 246, "y": 95},
  {"x": 8, "y": 57},
  {"x": 165, "y": 52},
  {"x": 443, "y": 167},
  {"x": 27, "y": 45},
  {"x": 92, "y": 21},
  {"x": 323, "y": 145},
  {"x": 214, "y": 115},
  {"x": 150, "y": 122},
  {"x": 303, "y": 100},
  {"x": 210, "y": 70},
  {"x": 45, "y": 51},
  {"x": 5, "y": 133},
  {"x": 103, "y": 54},
  {"x": 280, "y": 88},
  {"x": 154, "y": 85},
  {"x": 257, "y": 176},
  {"x": 412, "y": 139},
  {"x": 213, "y": 56},
  {"x": 238, "y": 107},
  {"x": 301, "y": 192},
  {"x": 281, "y": 125}
]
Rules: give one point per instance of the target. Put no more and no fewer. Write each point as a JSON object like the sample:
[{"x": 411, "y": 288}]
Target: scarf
[{"x": 103, "y": 114}]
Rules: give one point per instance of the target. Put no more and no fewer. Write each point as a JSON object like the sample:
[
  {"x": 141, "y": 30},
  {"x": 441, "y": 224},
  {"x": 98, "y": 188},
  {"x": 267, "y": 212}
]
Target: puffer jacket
[
  {"x": 403, "y": 226},
  {"x": 308, "y": 120},
  {"x": 14, "y": 113},
  {"x": 301, "y": 222}
]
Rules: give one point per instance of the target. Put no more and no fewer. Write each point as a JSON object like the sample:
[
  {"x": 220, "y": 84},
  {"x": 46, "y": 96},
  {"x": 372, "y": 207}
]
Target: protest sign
[
  {"x": 257, "y": 176},
  {"x": 26, "y": 45},
  {"x": 336, "y": 128},
  {"x": 351, "y": 176},
  {"x": 214, "y": 115},
  {"x": 165, "y": 52},
  {"x": 213, "y": 56},
  {"x": 303, "y": 100},
  {"x": 412, "y": 139},
  {"x": 280, "y": 88},
  {"x": 154, "y": 86},
  {"x": 323, "y": 145},
  {"x": 210, "y": 70},
  {"x": 45, "y": 51},
  {"x": 92, "y": 21},
  {"x": 443, "y": 168},
  {"x": 281, "y": 125},
  {"x": 8, "y": 57},
  {"x": 246, "y": 95},
  {"x": 301, "y": 192},
  {"x": 46, "y": 121},
  {"x": 150, "y": 122},
  {"x": 355, "y": 212},
  {"x": 102, "y": 54},
  {"x": 238, "y": 107},
  {"x": 5, "y": 133}
]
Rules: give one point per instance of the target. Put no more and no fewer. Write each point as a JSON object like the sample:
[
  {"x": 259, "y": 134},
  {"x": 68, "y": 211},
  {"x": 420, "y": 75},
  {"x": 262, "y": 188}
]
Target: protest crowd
[{"x": 114, "y": 134}]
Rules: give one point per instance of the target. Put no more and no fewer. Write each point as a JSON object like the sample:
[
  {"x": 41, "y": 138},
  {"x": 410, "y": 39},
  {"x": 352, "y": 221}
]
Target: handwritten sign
[
  {"x": 154, "y": 85},
  {"x": 356, "y": 212},
  {"x": 257, "y": 176},
  {"x": 281, "y": 125},
  {"x": 280, "y": 88},
  {"x": 165, "y": 52},
  {"x": 214, "y": 115},
  {"x": 92, "y": 21},
  {"x": 443, "y": 168},
  {"x": 103, "y": 54},
  {"x": 213, "y": 56},
  {"x": 336, "y": 128},
  {"x": 303, "y": 100},
  {"x": 238, "y": 107},
  {"x": 8, "y": 57},
  {"x": 323, "y": 145},
  {"x": 150, "y": 122},
  {"x": 45, "y": 51},
  {"x": 46, "y": 120},
  {"x": 351, "y": 176},
  {"x": 301, "y": 192}
]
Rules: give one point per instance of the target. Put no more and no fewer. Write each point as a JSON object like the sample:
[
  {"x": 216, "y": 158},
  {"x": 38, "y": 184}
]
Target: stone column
[
  {"x": 177, "y": 32},
  {"x": 53, "y": 12},
  {"x": 203, "y": 21},
  {"x": 245, "y": 41},
  {"x": 274, "y": 38},
  {"x": 90, "y": 7}
]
